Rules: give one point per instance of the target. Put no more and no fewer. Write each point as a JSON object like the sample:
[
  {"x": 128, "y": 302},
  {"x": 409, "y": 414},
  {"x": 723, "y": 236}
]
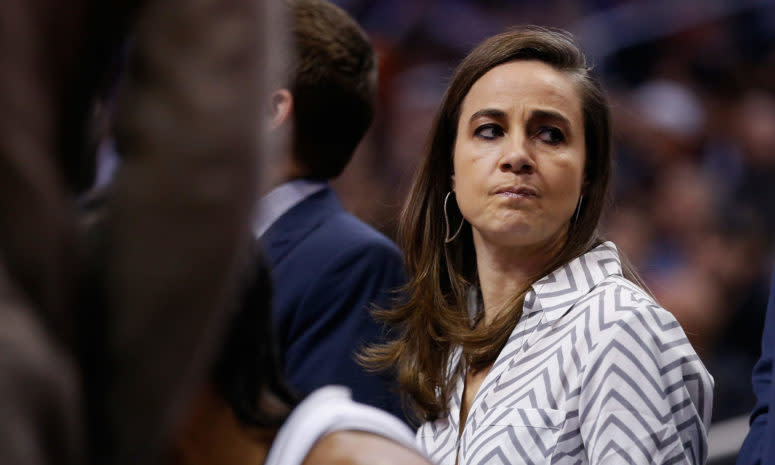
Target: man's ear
[
  {"x": 282, "y": 107},
  {"x": 452, "y": 182}
]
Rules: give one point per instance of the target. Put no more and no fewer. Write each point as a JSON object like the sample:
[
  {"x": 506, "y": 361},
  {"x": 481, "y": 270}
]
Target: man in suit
[
  {"x": 329, "y": 268},
  {"x": 758, "y": 447}
]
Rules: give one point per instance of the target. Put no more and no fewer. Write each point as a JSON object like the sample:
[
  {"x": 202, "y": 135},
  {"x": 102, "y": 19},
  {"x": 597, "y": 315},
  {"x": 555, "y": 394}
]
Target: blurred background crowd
[{"x": 692, "y": 87}]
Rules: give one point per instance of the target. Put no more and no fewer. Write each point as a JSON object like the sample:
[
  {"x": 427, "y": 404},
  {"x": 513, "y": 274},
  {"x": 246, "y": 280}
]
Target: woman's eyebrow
[
  {"x": 550, "y": 114},
  {"x": 488, "y": 112}
]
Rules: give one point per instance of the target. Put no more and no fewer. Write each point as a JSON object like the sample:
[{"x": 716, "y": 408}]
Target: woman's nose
[{"x": 517, "y": 159}]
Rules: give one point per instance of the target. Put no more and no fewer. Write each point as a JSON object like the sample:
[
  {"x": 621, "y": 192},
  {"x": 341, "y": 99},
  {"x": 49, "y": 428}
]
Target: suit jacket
[
  {"x": 329, "y": 268},
  {"x": 758, "y": 448}
]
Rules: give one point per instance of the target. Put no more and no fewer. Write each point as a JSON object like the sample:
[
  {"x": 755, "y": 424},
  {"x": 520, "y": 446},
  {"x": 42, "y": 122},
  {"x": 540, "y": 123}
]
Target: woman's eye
[
  {"x": 488, "y": 131},
  {"x": 550, "y": 135}
]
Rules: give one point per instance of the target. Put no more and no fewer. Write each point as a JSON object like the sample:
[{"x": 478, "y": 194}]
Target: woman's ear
[
  {"x": 281, "y": 107},
  {"x": 452, "y": 182}
]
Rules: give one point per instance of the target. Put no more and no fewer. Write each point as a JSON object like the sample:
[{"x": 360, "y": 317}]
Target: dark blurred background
[{"x": 692, "y": 87}]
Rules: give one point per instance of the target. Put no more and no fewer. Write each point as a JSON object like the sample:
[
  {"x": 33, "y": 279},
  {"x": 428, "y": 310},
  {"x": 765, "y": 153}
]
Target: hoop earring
[
  {"x": 448, "y": 239},
  {"x": 577, "y": 213}
]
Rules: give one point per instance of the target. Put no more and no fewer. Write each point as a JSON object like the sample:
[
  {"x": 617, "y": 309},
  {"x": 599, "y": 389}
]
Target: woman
[{"x": 523, "y": 338}]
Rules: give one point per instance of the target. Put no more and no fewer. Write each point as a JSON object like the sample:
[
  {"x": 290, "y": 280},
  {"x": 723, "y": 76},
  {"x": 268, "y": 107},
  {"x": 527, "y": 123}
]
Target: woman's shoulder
[
  {"x": 636, "y": 340},
  {"x": 621, "y": 298},
  {"x": 624, "y": 307},
  {"x": 593, "y": 291}
]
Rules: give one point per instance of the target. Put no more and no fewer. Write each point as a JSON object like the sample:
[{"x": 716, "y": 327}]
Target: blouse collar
[{"x": 555, "y": 293}]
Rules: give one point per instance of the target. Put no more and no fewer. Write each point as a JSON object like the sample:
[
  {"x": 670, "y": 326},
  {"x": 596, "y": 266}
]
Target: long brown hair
[{"x": 433, "y": 319}]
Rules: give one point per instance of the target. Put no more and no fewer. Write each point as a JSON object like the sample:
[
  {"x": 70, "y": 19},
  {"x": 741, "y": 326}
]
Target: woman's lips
[{"x": 517, "y": 192}]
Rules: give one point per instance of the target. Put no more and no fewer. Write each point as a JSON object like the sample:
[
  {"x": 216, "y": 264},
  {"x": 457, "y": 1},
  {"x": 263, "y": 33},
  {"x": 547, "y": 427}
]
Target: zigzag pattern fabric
[{"x": 595, "y": 372}]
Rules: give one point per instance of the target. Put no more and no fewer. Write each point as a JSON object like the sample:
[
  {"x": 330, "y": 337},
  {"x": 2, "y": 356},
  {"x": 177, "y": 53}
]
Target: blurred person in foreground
[
  {"x": 758, "y": 446},
  {"x": 526, "y": 337},
  {"x": 188, "y": 184},
  {"x": 329, "y": 268},
  {"x": 243, "y": 415}
]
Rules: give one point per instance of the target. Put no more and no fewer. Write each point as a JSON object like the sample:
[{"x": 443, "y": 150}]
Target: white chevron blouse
[{"x": 595, "y": 372}]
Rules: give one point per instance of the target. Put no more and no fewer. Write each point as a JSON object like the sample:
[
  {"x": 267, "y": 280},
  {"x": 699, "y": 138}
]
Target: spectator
[{"x": 329, "y": 268}]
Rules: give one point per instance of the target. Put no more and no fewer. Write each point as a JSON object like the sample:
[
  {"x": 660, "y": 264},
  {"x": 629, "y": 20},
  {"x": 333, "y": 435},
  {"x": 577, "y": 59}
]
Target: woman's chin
[
  {"x": 514, "y": 236},
  {"x": 517, "y": 236}
]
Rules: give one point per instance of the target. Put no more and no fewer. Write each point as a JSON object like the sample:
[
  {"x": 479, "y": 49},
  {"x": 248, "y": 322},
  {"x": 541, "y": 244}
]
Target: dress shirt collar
[
  {"x": 556, "y": 292},
  {"x": 282, "y": 198}
]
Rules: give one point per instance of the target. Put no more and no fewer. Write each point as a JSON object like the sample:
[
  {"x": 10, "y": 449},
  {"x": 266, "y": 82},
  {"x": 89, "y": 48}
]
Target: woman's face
[{"x": 519, "y": 155}]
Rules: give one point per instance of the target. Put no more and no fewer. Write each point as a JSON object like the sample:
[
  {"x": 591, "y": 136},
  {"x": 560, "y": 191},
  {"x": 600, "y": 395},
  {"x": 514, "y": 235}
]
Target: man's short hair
[{"x": 333, "y": 80}]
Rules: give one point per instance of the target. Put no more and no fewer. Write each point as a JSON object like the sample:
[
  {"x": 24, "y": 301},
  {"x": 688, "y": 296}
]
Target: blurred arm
[
  {"x": 187, "y": 124},
  {"x": 40, "y": 414}
]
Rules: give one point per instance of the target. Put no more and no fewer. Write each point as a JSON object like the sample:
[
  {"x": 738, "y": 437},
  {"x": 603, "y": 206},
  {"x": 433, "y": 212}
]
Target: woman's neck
[{"x": 505, "y": 271}]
